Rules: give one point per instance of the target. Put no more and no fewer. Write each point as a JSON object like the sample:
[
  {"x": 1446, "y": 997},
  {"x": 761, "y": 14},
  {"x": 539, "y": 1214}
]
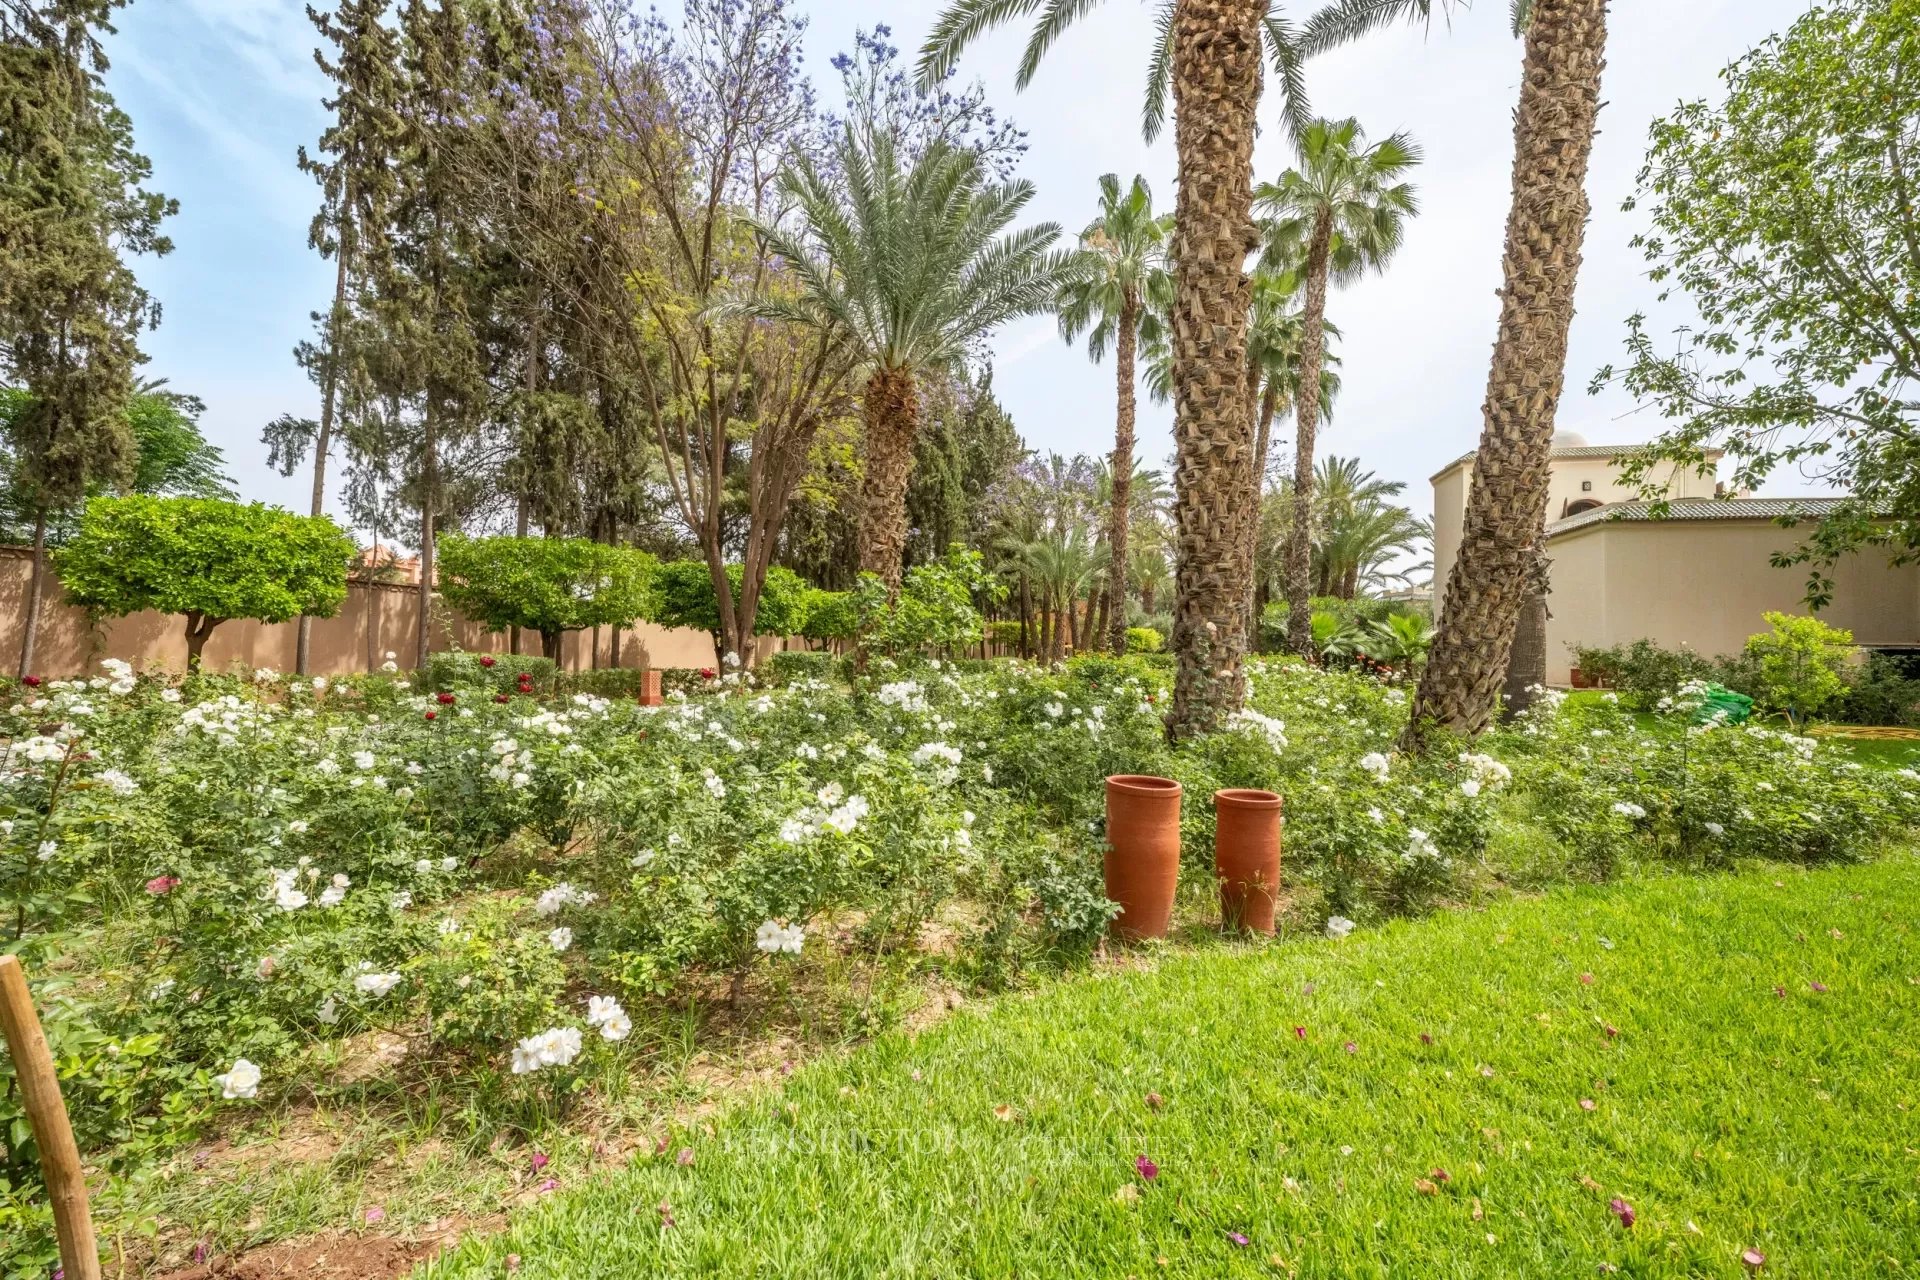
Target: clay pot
[
  {"x": 1246, "y": 857},
  {"x": 1143, "y": 853},
  {"x": 1578, "y": 678},
  {"x": 650, "y": 689}
]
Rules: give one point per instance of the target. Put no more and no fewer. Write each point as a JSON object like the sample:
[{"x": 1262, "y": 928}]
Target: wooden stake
[{"x": 59, "y": 1157}]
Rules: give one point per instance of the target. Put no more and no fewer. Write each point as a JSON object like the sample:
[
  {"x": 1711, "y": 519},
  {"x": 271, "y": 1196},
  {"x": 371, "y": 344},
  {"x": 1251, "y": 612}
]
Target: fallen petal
[
  {"x": 1754, "y": 1259},
  {"x": 1238, "y": 1239},
  {"x": 1146, "y": 1168},
  {"x": 1621, "y": 1210}
]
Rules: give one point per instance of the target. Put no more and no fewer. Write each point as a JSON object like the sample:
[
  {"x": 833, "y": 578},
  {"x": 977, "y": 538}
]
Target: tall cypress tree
[
  {"x": 354, "y": 170},
  {"x": 428, "y": 300},
  {"x": 71, "y": 202}
]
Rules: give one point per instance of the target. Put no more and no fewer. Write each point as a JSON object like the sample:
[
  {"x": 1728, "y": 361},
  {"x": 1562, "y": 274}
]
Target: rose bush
[{"x": 254, "y": 869}]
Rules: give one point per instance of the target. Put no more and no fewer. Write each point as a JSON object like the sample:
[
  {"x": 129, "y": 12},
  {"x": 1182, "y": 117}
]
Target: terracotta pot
[
  {"x": 650, "y": 689},
  {"x": 1579, "y": 679},
  {"x": 1246, "y": 857},
  {"x": 1143, "y": 852}
]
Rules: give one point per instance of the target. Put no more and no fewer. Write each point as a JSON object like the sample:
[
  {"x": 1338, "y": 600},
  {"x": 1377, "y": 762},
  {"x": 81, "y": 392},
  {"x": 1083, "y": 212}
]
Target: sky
[{"x": 223, "y": 93}]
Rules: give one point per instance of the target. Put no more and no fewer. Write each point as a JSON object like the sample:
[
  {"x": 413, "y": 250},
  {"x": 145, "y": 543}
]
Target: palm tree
[
  {"x": 907, "y": 260},
  {"x": 1208, "y": 57},
  {"x": 1499, "y": 564},
  {"x": 1347, "y": 206},
  {"x": 1118, "y": 272},
  {"x": 1276, "y": 331}
]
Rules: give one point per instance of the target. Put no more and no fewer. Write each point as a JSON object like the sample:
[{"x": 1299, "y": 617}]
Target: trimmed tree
[
  {"x": 684, "y": 597},
  {"x": 210, "y": 560},
  {"x": 548, "y": 585}
]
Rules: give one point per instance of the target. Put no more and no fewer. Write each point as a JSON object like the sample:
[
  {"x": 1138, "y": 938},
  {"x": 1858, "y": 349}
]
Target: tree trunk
[
  {"x": 1073, "y": 621},
  {"x": 891, "y": 407},
  {"x": 1306, "y": 409},
  {"x": 36, "y": 595},
  {"x": 1263, "y": 435},
  {"x": 199, "y": 627},
  {"x": 1120, "y": 520},
  {"x": 519, "y": 531},
  {"x": 1497, "y": 567},
  {"x": 1216, "y": 92},
  {"x": 550, "y": 642},
  {"x": 1026, "y": 617},
  {"x": 1527, "y": 664},
  {"x": 429, "y": 490},
  {"x": 329, "y": 392}
]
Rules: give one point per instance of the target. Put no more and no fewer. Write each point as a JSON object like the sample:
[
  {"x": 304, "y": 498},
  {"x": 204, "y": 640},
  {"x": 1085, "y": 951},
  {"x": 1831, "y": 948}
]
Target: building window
[
  {"x": 1586, "y": 486},
  {"x": 1583, "y": 505}
]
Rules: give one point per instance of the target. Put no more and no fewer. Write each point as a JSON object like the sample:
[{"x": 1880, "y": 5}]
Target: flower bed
[{"x": 217, "y": 886}]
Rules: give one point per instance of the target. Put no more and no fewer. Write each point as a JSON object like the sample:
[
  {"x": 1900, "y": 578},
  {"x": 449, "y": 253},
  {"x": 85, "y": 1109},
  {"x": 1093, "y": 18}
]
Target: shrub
[
  {"x": 829, "y": 615},
  {"x": 547, "y": 585},
  {"x": 1143, "y": 640},
  {"x": 1643, "y": 672},
  {"x": 1798, "y": 664},
  {"x": 490, "y": 672},
  {"x": 210, "y": 560},
  {"x": 934, "y": 611},
  {"x": 794, "y": 664},
  {"x": 1883, "y": 691},
  {"x": 604, "y": 682},
  {"x": 1003, "y": 632}
]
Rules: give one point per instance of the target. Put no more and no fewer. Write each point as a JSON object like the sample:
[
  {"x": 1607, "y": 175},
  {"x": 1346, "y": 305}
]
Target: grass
[{"x": 1289, "y": 1096}]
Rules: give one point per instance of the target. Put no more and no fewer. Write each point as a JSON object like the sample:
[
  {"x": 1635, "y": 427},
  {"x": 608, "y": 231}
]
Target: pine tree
[
  {"x": 71, "y": 202},
  {"x": 357, "y": 186},
  {"x": 424, "y": 353}
]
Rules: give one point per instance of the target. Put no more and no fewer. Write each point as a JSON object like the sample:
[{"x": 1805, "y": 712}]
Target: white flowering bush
[{"x": 238, "y": 878}]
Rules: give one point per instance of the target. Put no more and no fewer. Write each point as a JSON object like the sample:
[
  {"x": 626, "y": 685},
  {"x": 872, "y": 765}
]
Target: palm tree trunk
[
  {"x": 891, "y": 407},
  {"x": 1262, "y": 436},
  {"x": 36, "y": 595},
  {"x": 1500, "y": 552},
  {"x": 1307, "y": 417},
  {"x": 1216, "y": 94},
  {"x": 1122, "y": 513}
]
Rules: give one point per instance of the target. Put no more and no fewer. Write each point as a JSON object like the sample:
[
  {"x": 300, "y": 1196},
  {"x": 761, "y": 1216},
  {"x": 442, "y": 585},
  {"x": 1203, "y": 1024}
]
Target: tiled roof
[
  {"x": 1573, "y": 451},
  {"x": 1699, "y": 509}
]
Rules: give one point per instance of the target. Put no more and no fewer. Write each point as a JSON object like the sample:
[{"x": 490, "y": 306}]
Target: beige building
[{"x": 1700, "y": 576}]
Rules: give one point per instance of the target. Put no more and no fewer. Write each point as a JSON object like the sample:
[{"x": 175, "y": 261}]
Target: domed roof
[{"x": 1569, "y": 440}]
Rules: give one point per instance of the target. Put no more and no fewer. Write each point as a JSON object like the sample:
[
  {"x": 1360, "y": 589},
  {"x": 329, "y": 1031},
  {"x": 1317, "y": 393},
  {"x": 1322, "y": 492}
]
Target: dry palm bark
[
  {"x": 1313, "y": 346},
  {"x": 1497, "y": 565},
  {"x": 1216, "y": 92},
  {"x": 891, "y": 407},
  {"x": 1121, "y": 514}
]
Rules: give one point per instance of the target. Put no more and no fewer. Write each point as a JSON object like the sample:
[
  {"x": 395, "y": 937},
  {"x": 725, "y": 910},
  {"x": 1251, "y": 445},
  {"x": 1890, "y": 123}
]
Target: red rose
[
  {"x": 446, "y": 699},
  {"x": 32, "y": 682},
  {"x": 160, "y": 886},
  {"x": 501, "y": 697},
  {"x": 706, "y": 673},
  {"x": 432, "y": 715},
  {"x": 486, "y": 660}
]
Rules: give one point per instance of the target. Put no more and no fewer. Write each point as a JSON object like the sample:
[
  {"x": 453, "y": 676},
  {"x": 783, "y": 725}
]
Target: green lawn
[{"x": 1290, "y": 1098}]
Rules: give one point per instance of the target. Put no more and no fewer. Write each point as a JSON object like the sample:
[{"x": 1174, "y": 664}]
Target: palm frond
[
  {"x": 959, "y": 25},
  {"x": 1345, "y": 21},
  {"x": 1153, "y": 112},
  {"x": 1060, "y": 15}
]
